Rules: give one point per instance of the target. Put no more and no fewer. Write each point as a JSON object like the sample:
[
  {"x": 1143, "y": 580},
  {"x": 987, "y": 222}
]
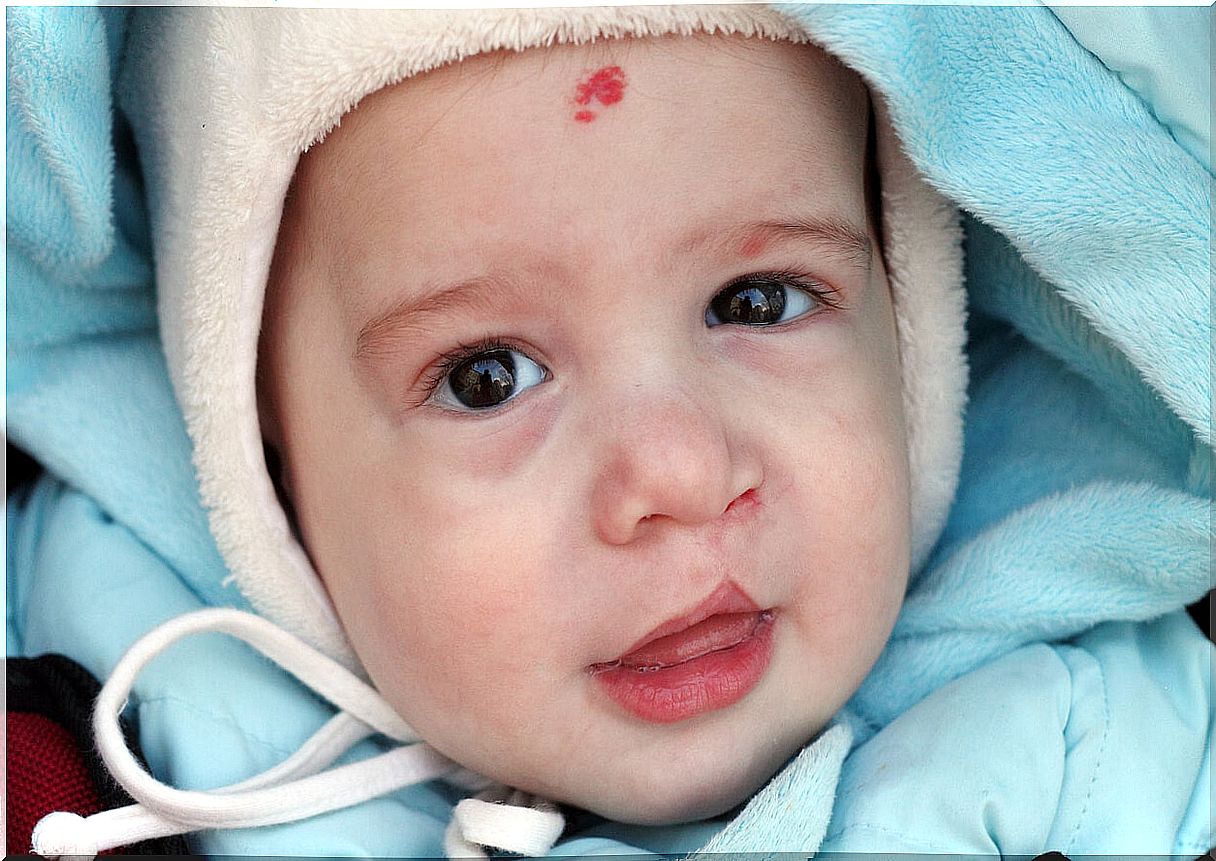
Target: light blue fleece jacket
[{"x": 1042, "y": 689}]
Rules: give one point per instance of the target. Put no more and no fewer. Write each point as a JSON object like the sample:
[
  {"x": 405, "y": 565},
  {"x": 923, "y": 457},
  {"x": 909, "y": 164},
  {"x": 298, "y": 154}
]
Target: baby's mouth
[
  {"x": 706, "y": 659},
  {"x": 716, "y": 634}
]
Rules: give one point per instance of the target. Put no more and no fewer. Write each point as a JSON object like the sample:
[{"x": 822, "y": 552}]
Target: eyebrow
[
  {"x": 830, "y": 233},
  {"x": 833, "y": 235},
  {"x": 470, "y": 294}
]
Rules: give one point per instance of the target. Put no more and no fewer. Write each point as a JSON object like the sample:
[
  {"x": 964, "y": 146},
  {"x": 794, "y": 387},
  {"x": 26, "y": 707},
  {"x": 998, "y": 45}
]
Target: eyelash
[
  {"x": 817, "y": 289},
  {"x": 448, "y": 362}
]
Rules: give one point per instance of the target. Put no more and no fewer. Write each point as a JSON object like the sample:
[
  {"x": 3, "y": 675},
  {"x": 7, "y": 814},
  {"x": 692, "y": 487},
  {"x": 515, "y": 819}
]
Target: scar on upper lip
[
  {"x": 743, "y": 500},
  {"x": 606, "y": 86}
]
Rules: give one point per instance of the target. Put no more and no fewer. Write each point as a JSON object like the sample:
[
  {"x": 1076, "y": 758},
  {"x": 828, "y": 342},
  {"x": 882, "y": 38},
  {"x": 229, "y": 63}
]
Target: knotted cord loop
[{"x": 298, "y": 787}]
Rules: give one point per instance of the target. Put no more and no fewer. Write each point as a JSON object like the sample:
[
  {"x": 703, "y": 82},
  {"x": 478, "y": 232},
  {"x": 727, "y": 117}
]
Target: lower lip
[{"x": 703, "y": 684}]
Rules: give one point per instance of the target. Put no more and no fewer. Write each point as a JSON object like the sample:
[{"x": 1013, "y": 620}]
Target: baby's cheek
[
  {"x": 852, "y": 492},
  {"x": 444, "y": 639},
  {"x": 461, "y": 567}
]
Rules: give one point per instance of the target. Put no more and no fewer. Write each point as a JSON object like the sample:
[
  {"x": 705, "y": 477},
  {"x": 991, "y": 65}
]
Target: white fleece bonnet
[{"x": 224, "y": 100}]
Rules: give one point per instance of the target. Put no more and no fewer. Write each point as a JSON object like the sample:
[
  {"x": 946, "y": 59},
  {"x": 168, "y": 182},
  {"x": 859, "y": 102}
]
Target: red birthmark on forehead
[{"x": 606, "y": 86}]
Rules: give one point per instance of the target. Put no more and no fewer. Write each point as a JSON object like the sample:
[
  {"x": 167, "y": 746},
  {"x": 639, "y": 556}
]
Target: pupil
[
  {"x": 485, "y": 380},
  {"x": 754, "y": 303}
]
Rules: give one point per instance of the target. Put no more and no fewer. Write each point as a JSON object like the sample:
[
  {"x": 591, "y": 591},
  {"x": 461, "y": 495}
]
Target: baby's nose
[{"x": 671, "y": 462}]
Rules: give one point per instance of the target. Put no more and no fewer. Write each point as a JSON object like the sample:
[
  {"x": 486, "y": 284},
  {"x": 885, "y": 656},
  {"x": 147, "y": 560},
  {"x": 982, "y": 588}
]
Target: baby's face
[{"x": 582, "y": 364}]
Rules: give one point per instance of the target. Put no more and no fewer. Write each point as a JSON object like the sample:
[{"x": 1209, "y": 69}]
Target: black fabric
[
  {"x": 1201, "y": 612},
  {"x": 63, "y": 691},
  {"x": 19, "y": 467}
]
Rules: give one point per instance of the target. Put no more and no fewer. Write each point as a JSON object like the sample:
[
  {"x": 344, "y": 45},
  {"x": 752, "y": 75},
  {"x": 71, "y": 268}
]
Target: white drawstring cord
[
  {"x": 69, "y": 832},
  {"x": 503, "y": 818},
  {"x": 324, "y": 675},
  {"x": 294, "y": 789}
]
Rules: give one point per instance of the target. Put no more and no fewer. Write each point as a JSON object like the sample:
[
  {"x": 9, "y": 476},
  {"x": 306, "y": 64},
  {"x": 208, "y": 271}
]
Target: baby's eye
[
  {"x": 763, "y": 300},
  {"x": 486, "y": 379}
]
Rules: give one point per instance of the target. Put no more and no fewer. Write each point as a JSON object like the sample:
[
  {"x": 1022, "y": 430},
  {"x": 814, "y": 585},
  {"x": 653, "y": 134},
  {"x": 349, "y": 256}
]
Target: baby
[
  {"x": 583, "y": 371},
  {"x": 582, "y": 390}
]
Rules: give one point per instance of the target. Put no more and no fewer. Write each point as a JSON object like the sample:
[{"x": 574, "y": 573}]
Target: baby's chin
[
  {"x": 698, "y": 804},
  {"x": 666, "y": 796}
]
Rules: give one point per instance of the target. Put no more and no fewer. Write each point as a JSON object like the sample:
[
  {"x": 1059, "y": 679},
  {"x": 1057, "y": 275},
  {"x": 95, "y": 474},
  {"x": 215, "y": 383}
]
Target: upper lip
[{"x": 729, "y": 597}]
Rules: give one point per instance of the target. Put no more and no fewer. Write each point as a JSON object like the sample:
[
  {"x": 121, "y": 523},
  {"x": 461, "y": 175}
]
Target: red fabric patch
[{"x": 45, "y": 773}]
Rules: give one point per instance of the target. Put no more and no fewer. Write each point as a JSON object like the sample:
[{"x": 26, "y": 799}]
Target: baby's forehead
[
  {"x": 503, "y": 156},
  {"x": 608, "y": 81}
]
